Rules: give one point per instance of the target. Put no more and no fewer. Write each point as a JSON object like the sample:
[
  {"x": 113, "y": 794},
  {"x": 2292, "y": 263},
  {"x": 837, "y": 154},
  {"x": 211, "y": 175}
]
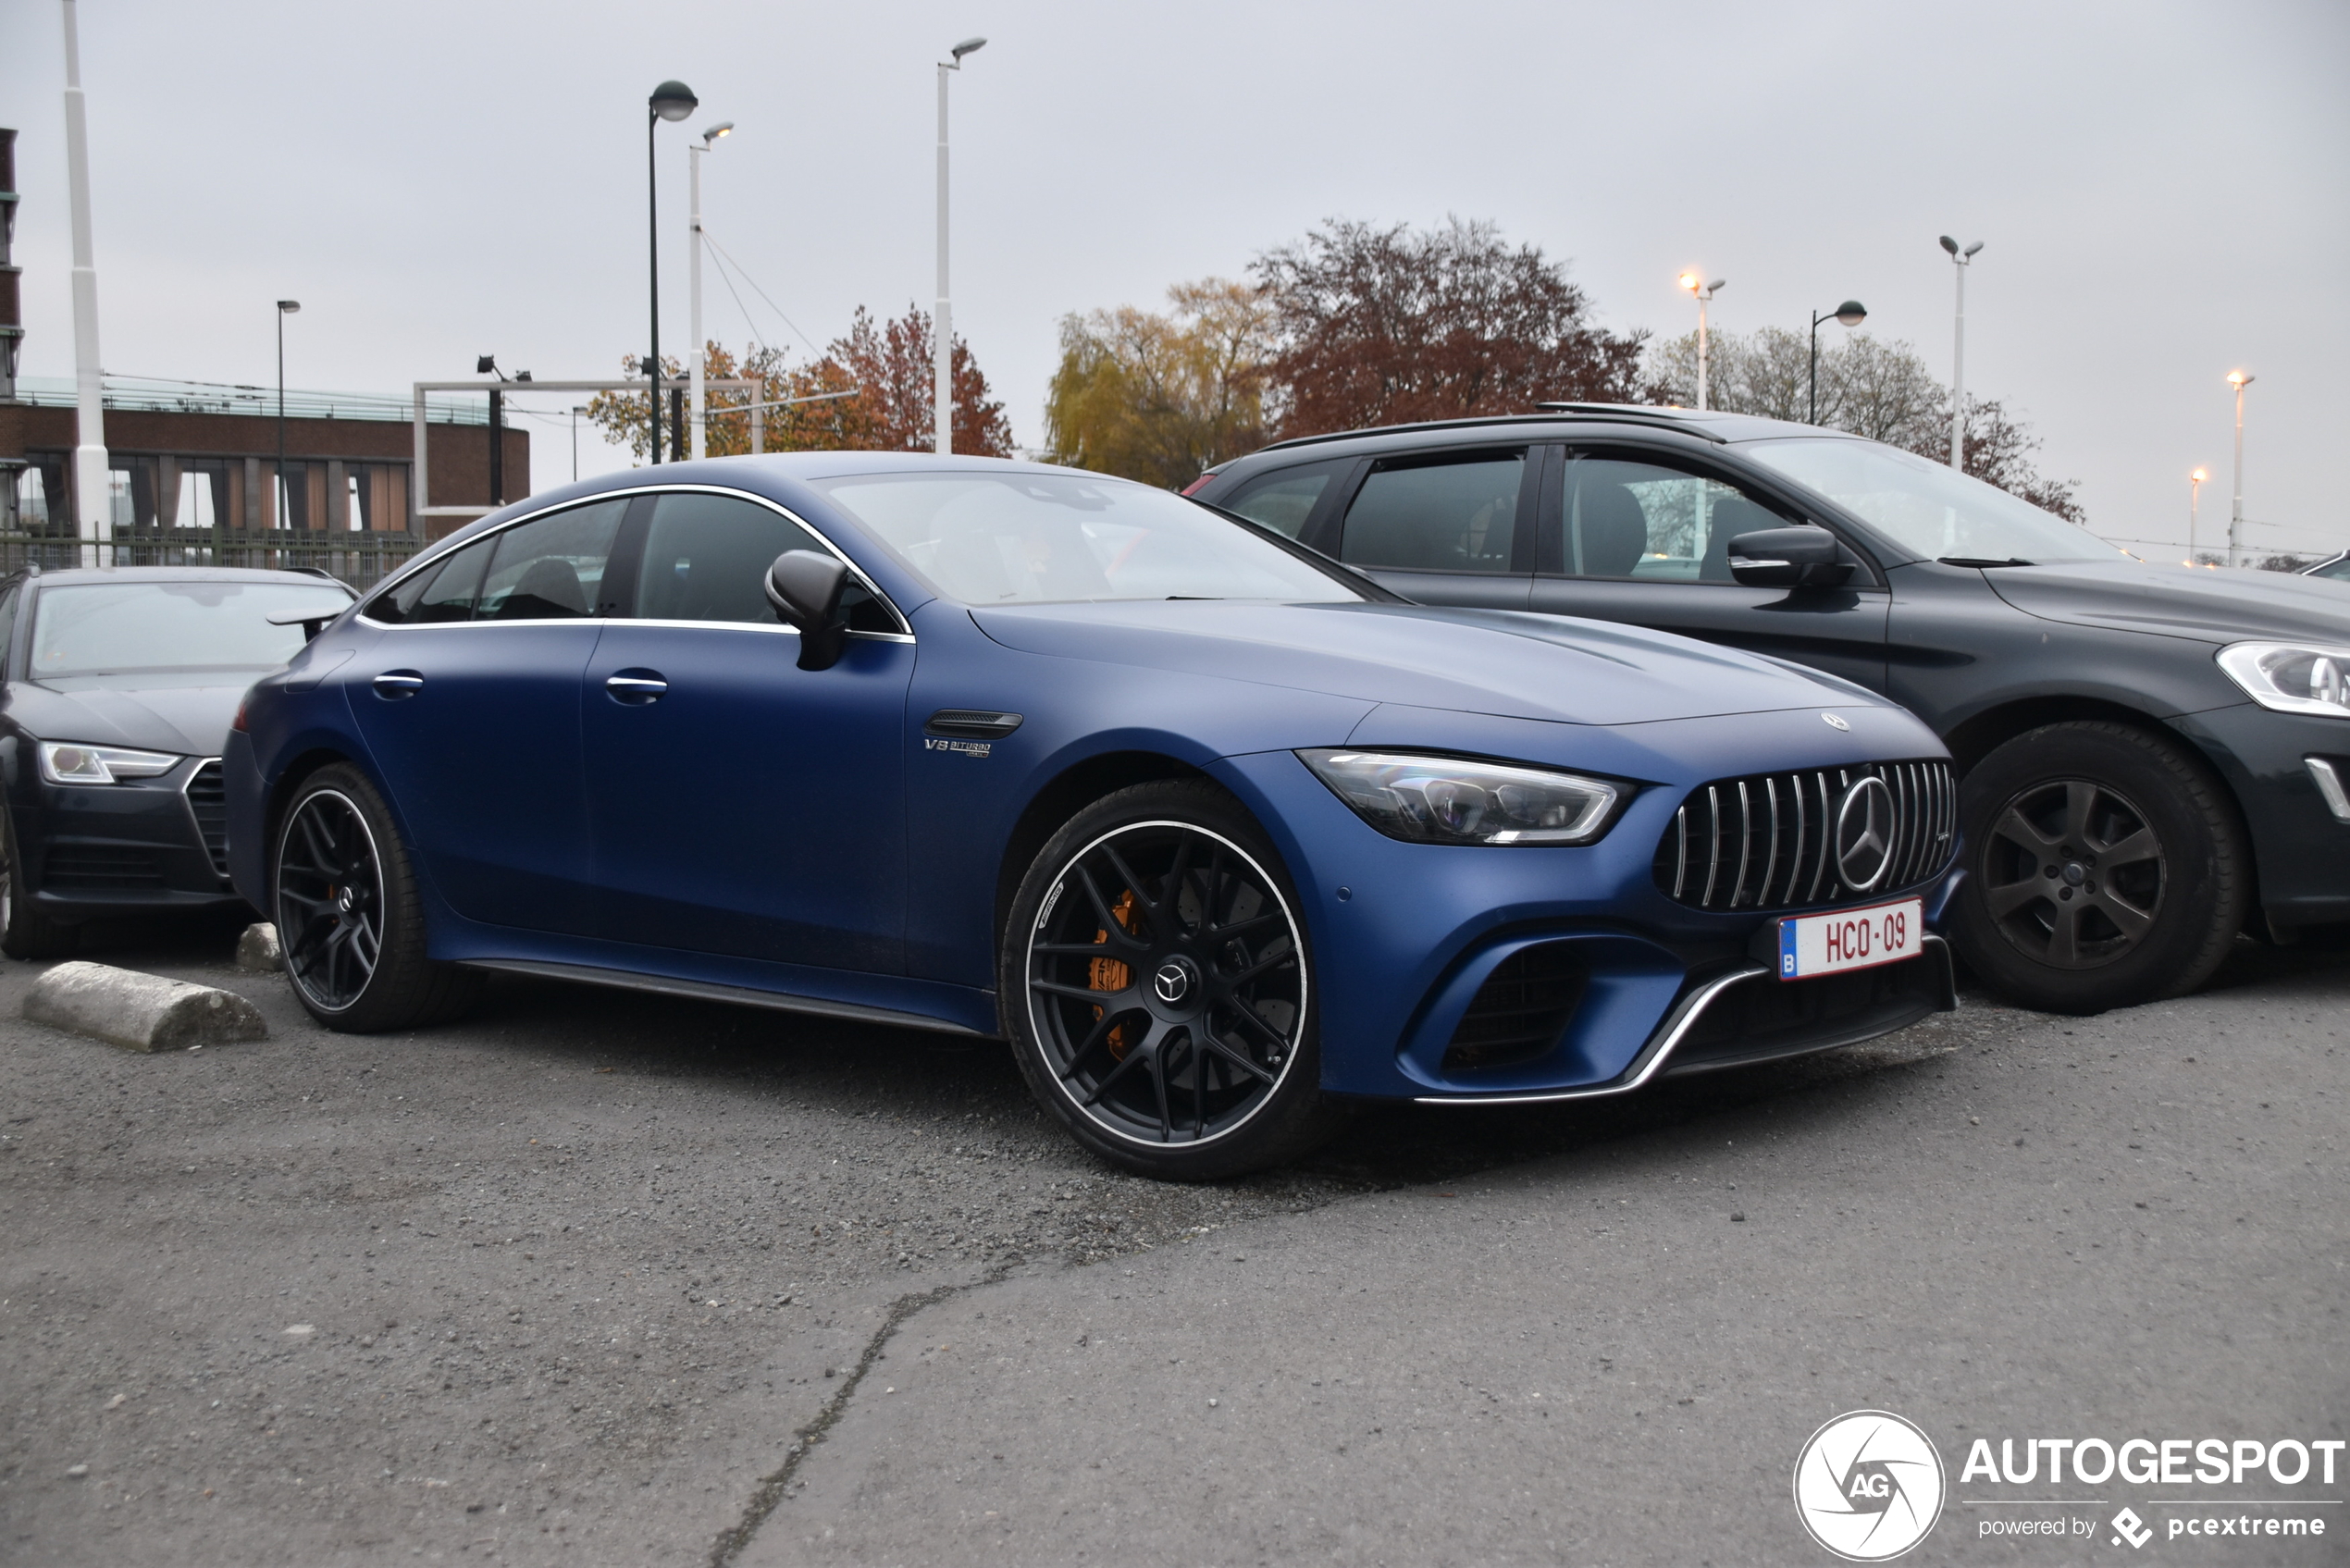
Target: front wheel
[
  {"x": 26, "y": 931},
  {"x": 1157, "y": 986},
  {"x": 2105, "y": 867},
  {"x": 350, "y": 919}
]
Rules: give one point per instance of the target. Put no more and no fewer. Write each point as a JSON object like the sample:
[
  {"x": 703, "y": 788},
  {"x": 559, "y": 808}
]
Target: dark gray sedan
[
  {"x": 2155, "y": 758},
  {"x": 118, "y": 690}
]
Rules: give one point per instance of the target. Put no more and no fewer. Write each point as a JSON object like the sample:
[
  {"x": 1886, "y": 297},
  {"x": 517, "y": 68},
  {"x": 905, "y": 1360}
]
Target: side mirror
[
  {"x": 1788, "y": 558},
  {"x": 805, "y": 588}
]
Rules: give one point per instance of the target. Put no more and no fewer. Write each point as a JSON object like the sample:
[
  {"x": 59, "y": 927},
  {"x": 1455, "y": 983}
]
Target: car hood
[
  {"x": 1504, "y": 662},
  {"x": 161, "y": 715},
  {"x": 2177, "y": 601}
]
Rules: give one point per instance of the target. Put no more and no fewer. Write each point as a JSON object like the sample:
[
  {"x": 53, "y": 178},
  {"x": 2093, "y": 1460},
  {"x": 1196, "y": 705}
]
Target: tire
[
  {"x": 2105, "y": 867},
  {"x": 26, "y": 931},
  {"x": 1156, "y": 984},
  {"x": 350, "y": 918}
]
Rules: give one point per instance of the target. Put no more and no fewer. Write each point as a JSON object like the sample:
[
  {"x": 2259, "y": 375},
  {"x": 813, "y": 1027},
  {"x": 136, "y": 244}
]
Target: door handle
[
  {"x": 636, "y": 688},
  {"x": 394, "y": 686}
]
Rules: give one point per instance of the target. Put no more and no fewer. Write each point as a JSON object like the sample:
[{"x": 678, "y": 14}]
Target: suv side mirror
[
  {"x": 805, "y": 588},
  {"x": 1788, "y": 558}
]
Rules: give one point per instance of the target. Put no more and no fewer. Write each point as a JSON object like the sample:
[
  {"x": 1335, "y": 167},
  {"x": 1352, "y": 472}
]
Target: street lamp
[
  {"x": 1962, "y": 260},
  {"x": 709, "y": 139},
  {"x": 2194, "y": 503},
  {"x": 1696, "y": 284},
  {"x": 670, "y": 101},
  {"x": 2238, "y": 379},
  {"x": 1851, "y": 312},
  {"x": 943, "y": 349},
  {"x": 576, "y": 413},
  {"x": 277, "y": 501}
]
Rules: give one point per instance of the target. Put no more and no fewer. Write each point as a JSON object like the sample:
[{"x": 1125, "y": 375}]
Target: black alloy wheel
[
  {"x": 350, "y": 920},
  {"x": 1159, "y": 987},
  {"x": 2105, "y": 867},
  {"x": 26, "y": 931}
]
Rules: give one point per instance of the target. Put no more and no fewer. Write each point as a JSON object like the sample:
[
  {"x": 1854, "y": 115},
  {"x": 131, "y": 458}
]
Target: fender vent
[{"x": 1521, "y": 1009}]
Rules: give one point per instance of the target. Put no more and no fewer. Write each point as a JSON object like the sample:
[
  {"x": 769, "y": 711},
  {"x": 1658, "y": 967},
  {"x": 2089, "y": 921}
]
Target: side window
[
  {"x": 1284, "y": 498},
  {"x": 550, "y": 569},
  {"x": 706, "y": 558},
  {"x": 442, "y": 592},
  {"x": 1624, "y": 518},
  {"x": 1458, "y": 514}
]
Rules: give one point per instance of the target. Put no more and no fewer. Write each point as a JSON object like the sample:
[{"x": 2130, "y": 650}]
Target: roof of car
[
  {"x": 1709, "y": 426},
  {"x": 184, "y": 574}
]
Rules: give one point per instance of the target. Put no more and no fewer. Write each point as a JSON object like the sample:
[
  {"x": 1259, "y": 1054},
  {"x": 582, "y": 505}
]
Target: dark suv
[{"x": 2155, "y": 757}]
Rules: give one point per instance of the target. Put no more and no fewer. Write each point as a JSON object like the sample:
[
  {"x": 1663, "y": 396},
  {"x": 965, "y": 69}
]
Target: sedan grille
[
  {"x": 1768, "y": 840},
  {"x": 208, "y": 798}
]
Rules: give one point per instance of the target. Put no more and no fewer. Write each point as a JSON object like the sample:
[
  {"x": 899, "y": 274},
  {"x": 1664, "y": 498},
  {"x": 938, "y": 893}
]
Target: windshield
[
  {"x": 123, "y": 628},
  {"x": 1038, "y": 538},
  {"x": 1939, "y": 515}
]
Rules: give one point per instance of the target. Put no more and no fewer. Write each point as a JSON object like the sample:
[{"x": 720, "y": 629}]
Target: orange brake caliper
[{"x": 1112, "y": 974}]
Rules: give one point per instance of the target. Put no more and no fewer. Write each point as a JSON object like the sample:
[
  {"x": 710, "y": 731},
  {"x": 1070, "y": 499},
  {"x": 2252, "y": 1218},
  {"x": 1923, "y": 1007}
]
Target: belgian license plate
[{"x": 1850, "y": 939}]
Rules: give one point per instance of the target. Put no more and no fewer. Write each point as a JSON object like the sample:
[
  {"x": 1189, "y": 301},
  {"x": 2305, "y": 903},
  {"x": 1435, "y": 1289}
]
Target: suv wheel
[
  {"x": 349, "y": 916},
  {"x": 26, "y": 932},
  {"x": 2105, "y": 868},
  {"x": 1157, "y": 987}
]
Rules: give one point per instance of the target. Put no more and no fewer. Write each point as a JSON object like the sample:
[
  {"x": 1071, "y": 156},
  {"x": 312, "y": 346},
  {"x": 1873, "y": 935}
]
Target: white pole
[
  {"x": 943, "y": 324},
  {"x": 1703, "y": 295},
  {"x": 694, "y": 374},
  {"x": 93, "y": 487},
  {"x": 2194, "y": 509},
  {"x": 2235, "y": 513},
  {"x": 1958, "y": 375}
]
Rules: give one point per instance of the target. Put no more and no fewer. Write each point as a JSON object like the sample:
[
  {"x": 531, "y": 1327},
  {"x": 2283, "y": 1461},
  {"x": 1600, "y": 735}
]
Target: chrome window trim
[{"x": 904, "y": 634}]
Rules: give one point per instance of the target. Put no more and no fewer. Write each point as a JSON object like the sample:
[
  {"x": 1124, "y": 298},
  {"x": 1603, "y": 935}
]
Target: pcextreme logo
[{"x": 1868, "y": 1486}]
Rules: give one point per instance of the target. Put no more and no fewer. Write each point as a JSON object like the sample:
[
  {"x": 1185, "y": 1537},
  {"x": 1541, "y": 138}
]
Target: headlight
[
  {"x": 63, "y": 762},
  {"x": 2291, "y": 677},
  {"x": 1452, "y": 800}
]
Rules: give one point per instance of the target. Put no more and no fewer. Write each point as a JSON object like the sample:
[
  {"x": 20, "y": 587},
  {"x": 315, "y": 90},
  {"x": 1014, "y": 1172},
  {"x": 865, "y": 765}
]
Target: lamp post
[
  {"x": 277, "y": 501},
  {"x": 2238, "y": 379},
  {"x": 575, "y": 412},
  {"x": 1960, "y": 260},
  {"x": 2194, "y": 505},
  {"x": 93, "y": 473},
  {"x": 1851, "y": 312},
  {"x": 943, "y": 327},
  {"x": 670, "y": 101},
  {"x": 1696, "y": 284},
  {"x": 709, "y": 139}
]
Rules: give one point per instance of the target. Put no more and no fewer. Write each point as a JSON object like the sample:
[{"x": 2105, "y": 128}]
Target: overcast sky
[{"x": 2160, "y": 187}]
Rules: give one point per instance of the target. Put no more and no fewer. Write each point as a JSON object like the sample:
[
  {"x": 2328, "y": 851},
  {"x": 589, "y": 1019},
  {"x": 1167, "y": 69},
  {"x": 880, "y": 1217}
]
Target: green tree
[{"x": 1160, "y": 397}]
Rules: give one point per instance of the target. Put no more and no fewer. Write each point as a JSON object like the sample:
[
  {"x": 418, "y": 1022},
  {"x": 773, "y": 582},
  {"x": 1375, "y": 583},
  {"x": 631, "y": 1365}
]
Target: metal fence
[{"x": 360, "y": 560}]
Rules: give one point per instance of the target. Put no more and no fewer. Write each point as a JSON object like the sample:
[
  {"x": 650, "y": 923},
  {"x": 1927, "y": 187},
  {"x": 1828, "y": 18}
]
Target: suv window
[
  {"x": 1625, "y": 518},
  {"x": 1284, "y": 498},
  {"x": 1454, "y": 513},
  {"x": 706, "y": 558}
]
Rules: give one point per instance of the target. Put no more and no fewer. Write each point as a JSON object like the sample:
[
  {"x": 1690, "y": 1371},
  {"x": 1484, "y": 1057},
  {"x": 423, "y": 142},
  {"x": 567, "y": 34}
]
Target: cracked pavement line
[{"x": 771, "y": 1489}]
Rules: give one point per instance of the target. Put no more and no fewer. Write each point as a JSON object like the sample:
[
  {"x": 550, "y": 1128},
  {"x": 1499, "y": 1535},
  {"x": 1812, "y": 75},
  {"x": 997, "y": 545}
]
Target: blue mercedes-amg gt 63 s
[{"x": 1221, "y": 836}]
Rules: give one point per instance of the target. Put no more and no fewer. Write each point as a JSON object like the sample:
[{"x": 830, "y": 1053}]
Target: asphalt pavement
[{"x": 600, "y": 1278}]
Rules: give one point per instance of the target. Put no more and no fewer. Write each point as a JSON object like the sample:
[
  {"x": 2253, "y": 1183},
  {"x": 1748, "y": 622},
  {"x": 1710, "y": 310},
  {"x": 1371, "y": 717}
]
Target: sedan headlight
[
  {"x": 68, "y": 762},
  {"x": 1453, "y": 800},
  {"x": 2291, "y": 677}
]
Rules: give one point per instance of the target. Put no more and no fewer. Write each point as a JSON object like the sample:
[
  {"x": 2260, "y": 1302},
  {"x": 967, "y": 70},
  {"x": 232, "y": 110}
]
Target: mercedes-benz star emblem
[
  {"x": 1864, "y": 834},
  {"x": 1173, "y": 981},
  {"x": 1835, "y": 722}
]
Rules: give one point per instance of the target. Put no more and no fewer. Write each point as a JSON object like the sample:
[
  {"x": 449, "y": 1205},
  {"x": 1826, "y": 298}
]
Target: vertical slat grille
[
  {"x": 208, "y": 800},
  {"x": 1768, "y": 840}
]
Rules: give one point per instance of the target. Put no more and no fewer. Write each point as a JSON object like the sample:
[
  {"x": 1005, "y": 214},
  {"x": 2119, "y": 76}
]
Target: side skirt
[{"x": 664, "y": 985}]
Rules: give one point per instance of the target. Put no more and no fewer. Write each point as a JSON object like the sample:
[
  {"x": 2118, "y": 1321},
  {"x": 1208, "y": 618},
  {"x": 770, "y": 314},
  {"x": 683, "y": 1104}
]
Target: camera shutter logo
[
  {"x": 1864, "y": 834},
  {"x": 1868, "y": 1486}
]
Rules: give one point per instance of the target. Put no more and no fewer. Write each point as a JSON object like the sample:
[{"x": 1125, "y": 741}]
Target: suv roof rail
[{"x": 1546, "y": 413}]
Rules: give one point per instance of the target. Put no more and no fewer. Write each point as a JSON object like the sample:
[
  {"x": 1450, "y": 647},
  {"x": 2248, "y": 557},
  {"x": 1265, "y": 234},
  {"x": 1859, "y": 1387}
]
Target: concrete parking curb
[
  {"x": 140, "y": 1012},
  {"x": 257, "y": 948}
]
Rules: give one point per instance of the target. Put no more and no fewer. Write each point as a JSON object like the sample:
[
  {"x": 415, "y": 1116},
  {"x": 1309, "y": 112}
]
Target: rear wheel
[
  {"x": 26, "y": 932},
  {"x": 350, "y": 920},
  {"x": 2105, "y": 867},
  {"x": 1158, "y": 987}
]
